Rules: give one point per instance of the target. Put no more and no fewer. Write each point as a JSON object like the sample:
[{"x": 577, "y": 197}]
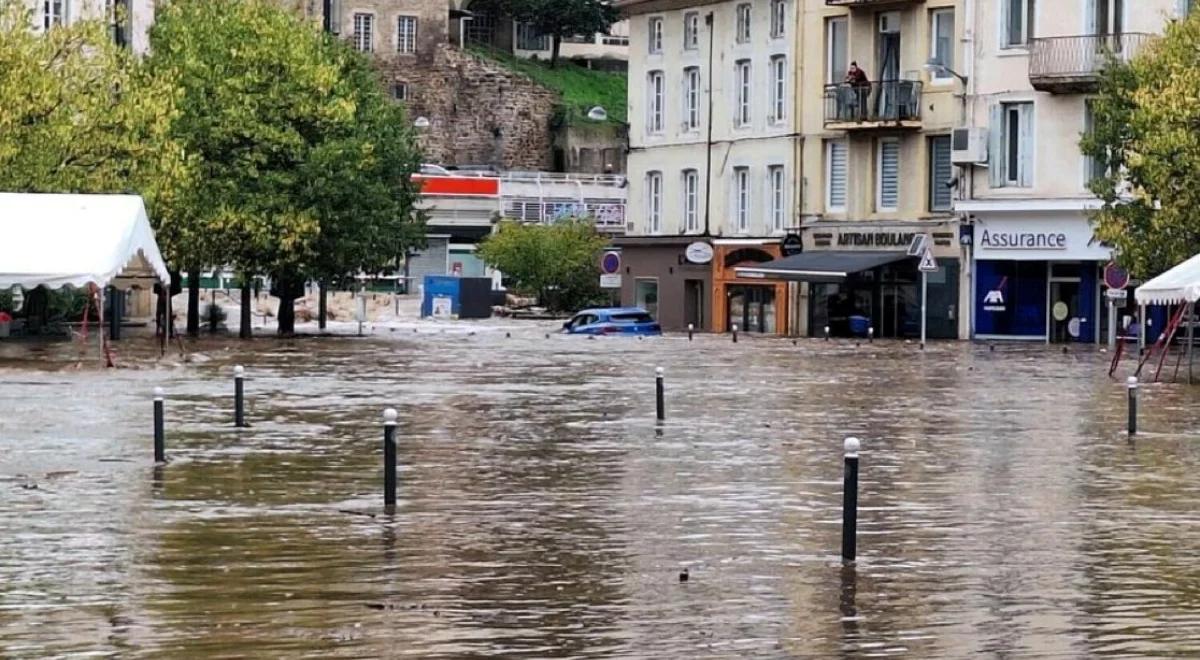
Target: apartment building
[
  {"x": 712, "y": 160},
  {"x": 1037, "y": 268},
  {"x": 128, "y": 20}
]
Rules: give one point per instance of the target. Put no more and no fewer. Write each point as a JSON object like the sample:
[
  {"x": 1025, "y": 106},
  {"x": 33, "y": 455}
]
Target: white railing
[
  {"x": 608, "y": 216},
  {"x": 563, "y": 177}
]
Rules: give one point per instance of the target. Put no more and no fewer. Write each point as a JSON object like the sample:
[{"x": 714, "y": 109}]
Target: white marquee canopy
[
  {"x": 1181, "y": 284},
  {"x": 76, "y": 240}
]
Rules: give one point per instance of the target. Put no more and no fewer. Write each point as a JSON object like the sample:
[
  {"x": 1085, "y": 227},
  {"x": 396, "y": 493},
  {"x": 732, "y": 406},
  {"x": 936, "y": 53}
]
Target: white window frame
[
  {"x": 402, "y": 88},
  {"x": 830, "y": 205},
  {"x": 777, "y": 198},
  {"x": 406, "y": 40},
  {"x": 656, "y": 102},
  {"x": 54, "y": 13},
  {"x": 745, "y": 17},
  {"x": 779, "y": 92},
  {"x": 654, "y": 201},
  {"x": 691, "y": 99},
  {"x": 1025, "y": 137},
  {"x": 364, "y": 32},
  {"x": 836, "y": 76},
  {"x": 743, "y": 90},
  {"x": 691, "y": 30},
  {"x": 691, "y": 201},
  {"x": 936, "y": 16},
  {"x": 880, "y": 207},
  {"x": 655, "y": 30},
  {"x": 741, "y": 199},
  {"x": 1028, "y": 16},
  {"x": 779, "y": 17}
]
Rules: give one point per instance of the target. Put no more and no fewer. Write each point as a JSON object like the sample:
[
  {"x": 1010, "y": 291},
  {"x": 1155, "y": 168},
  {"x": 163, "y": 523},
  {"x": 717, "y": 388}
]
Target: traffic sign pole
[{"x": 924, "y": 301}]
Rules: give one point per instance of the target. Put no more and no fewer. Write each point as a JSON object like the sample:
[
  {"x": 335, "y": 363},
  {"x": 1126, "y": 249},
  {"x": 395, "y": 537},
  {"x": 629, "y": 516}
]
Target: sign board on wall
[
  {"x": 699, "y": 252},
  {"x": 610, "y": 281},
  {"x": 1060, "y": 238}
]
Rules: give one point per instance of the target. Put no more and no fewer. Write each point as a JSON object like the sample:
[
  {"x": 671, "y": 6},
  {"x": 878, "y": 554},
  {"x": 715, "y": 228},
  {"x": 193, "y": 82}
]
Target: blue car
[{"x": 612, "y": 321}]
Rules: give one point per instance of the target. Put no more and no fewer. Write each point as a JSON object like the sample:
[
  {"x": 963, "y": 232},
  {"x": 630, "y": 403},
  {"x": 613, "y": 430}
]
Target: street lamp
[
  {"x": 597, "y": 114},
  {"x": 422, "y": 122},
  {"x": 935, "y": 66}
]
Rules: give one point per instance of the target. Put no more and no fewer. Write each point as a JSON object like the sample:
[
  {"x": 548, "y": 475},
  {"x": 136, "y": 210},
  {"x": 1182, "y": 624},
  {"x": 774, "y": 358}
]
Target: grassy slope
[{"x": 581, "y": 89}]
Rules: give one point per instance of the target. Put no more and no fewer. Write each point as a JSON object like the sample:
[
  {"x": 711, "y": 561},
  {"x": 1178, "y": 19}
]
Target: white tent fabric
[
  {"x": 74, "y": 240},
  {"x": 1181, "y": 284}
]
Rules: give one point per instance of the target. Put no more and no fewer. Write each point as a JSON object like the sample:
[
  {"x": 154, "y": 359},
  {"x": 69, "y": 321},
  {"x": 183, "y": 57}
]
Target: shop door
[
  {"x": 1065, "y": 323},
  {"x": 752, "y": 308},
  {"x": 693, "y": 303}
]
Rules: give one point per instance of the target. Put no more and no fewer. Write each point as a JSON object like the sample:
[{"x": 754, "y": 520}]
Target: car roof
[{"x": 610, "y": 311}]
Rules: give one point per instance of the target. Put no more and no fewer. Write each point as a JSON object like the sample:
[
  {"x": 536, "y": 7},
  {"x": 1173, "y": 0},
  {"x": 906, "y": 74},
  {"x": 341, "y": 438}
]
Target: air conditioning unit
[
  {"x": 969, "y": 146},
  {"x": 889, "y": 22}
]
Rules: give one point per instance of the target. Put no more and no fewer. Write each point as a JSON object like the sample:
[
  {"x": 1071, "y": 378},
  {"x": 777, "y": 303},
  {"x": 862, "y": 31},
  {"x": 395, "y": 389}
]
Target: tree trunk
[
  {"x": 555, "y": 47},
  {"x": 193, "y": 319},
  {"x": 287, "y": 289},
  {"x": 244, "y": 331},
  {"x": 322, "y": 306}
]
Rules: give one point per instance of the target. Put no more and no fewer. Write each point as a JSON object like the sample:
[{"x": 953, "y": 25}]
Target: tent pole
[{"x": 1190, "y": 335}]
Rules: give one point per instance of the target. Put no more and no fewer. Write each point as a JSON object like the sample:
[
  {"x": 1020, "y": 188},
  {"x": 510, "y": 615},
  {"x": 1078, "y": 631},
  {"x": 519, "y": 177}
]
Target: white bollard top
[
  {"x": 691, "y": 327},
  {"x": 658, "y": 371},
  {"x": 851, "y": 446},
  {"x": 1132, "y": 382},
  {"x": 239, "y": 371},
  {"x": 735, "y": 327},
  {"x": 159, "y": 394},
  {"x": 389, "y": 416}
]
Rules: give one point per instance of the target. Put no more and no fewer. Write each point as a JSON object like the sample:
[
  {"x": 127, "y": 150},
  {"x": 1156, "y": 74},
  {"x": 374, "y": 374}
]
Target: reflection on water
[{"x": 543, "y": 513}]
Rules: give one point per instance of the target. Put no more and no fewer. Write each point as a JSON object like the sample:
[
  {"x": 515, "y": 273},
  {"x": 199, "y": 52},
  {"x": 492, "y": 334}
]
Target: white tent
[
  {"x": 76, "y": 240},
  {"x": 1181, "y": 284}
]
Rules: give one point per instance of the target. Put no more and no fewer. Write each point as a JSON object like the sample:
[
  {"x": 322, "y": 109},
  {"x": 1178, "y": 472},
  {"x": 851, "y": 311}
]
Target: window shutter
[
  {"x": 889, "y": 175},
  {"x": 940, "y": 198},
  {"x": 996, "y": 146},
  {"x": 1026, "y": 139},
  {"x": 837, "y": 175}
]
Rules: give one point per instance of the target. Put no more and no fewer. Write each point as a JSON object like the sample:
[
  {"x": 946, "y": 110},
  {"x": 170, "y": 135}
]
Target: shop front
[
  {"x": 1038, "y": 277},
  {"x": 752, "y": 304},
  {"x": 670, "y": 277}
]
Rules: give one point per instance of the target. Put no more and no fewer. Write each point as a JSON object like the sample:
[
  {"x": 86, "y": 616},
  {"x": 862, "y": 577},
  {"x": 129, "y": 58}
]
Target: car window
[{"x": 632, "y": 318}]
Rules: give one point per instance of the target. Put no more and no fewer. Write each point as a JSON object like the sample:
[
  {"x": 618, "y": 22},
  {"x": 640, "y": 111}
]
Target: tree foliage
[
  {"x": 1146, "y": 136},
  {"x": 559, "y": 19},
  {"x": 558, "y": 263}
]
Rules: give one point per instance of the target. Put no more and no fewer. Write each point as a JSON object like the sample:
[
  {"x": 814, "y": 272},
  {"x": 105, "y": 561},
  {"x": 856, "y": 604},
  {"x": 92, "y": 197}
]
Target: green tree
[
  {"x": 558, "y": 263},
  {"x": 559, "y": 19},
  {"x": 1145, "y": 138},
  {"x": 302, "y": 164}
]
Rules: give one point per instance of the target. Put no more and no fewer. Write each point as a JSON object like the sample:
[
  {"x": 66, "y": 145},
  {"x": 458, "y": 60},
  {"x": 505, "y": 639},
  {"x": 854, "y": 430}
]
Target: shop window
[{"x": 646, "y": 295}]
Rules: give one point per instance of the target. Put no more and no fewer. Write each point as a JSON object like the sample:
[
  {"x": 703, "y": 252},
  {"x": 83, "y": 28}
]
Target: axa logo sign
[{"x": 993, "y": 300}]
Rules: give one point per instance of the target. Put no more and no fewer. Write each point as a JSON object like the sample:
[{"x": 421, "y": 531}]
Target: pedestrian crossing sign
[{"x": 928, "y": 263}]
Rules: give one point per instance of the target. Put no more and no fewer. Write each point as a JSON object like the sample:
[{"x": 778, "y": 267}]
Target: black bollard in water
[
  {"x": 389, "y": 459},
  {"x": 1132, "y": 385},
  {"x": 826, "y": 333},
  {"x": 691, "y": 329},
  {"x": 735, "y": 329},
  {"x": 239, "y": 397},
  {"x": 660, "y": 406},
  {"x": 871, "y": 335},
  {"x": 850, "y": 501},
  {"x": 160, "y": 449}
]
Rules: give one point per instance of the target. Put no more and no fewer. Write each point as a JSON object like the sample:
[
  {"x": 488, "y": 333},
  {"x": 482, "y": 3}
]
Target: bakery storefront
[
  {"x": 859, "y": 276},
  {"x": 1038, "y": 277},
  {"x": 752, "y": 304}
]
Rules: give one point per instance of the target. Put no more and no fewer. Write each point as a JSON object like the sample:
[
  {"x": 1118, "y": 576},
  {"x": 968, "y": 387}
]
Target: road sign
[
  {"x": 610, "y": 263},
  {"x": 918, "y": 245},
  {"x": 610, "y": 281},
  {"x": 1115, "y": 276},
  {"x": 1117, "y": 294},
  {"x": 928, "y": 263}
]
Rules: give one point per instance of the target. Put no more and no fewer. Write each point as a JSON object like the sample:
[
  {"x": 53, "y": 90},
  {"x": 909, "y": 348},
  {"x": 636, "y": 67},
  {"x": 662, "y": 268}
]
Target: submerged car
[{"x": 612, "y": 321}]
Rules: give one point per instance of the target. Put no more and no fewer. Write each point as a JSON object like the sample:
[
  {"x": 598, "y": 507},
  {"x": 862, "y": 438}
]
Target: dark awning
[{"x": 820, "y": 266}]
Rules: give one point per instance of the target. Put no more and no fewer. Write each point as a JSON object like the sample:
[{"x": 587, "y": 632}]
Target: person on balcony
[{"x": 859, "y": 87}]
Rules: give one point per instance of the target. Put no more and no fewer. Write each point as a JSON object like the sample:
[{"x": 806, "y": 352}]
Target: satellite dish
[{"x": 598, "y": 114}]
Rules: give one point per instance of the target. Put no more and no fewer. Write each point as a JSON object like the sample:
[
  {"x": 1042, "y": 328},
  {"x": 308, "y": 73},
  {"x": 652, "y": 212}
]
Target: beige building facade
[{"x": 129, "y": 20}]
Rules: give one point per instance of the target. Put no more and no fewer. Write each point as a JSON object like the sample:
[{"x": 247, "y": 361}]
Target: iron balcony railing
[
  {"x": 865, "y": 3},
  {"x": 609, "y": 216},
  {"x": 1081, "y": 56},
  {"x": 876, "y": 102}
]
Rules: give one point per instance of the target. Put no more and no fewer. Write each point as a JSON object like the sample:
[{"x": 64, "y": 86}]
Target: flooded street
[{"x": 1003, "y": 510}]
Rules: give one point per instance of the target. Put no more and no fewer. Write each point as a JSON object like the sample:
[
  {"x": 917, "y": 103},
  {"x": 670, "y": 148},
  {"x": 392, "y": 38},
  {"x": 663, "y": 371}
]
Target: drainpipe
[{"x": 708, "y": 144}]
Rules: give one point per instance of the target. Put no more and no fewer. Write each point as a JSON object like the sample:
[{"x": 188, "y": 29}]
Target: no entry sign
[
  {"x": 1115, "y": 277},
  {"x": 610, "y": 263}
]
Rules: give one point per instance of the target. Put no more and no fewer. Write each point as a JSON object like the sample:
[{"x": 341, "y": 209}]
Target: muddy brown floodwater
[{"x": 1004, "y": 511}]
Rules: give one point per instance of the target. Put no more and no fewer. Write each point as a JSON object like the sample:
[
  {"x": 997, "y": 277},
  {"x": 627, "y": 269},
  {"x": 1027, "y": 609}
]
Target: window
[
  {"x": 656, "y": 34},
  {"x": 1184, "y": 7},
  {"x": 54, "y": 12},
  {"x": 837, "y": 33},
  {"x": 654, "y": 202},
  {"x": 645, "y": 294},
  {"x": 528, "y": 38},
  {"x": 835, "y": 176},
  {"x": 743, "y": 23},
  {"x": 691, "y": 201},
  {"x": 887, "y": 197},
  {"x": 1093, "y": 168},
  {"x": 741, "y": 108},
  {"x": 778, "y": 88},
  {"x": 364, "y": 33},
  {"x": 1011, "y": 148},
  {"x": 940, "y": 172},
  {"x": 406, "y": 34},
  {"x": 400, "y": 91},
  {"x": 778, "y": 18},
  {"x": 691, "y": 98},
  {"x": 941, "y": 30},
  {"x": 741, "y": 199},
  {"x": 655, "y": 100},
  {"x": 775, "y": 196},
  {"x": 691, "y": 30},
  {"x": 1018, "y": 18}
]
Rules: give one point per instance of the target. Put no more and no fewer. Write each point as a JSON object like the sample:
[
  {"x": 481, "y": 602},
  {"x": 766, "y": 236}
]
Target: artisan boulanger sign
[
  {"x": 895, "y": 239},
  {"x": 1029, "y": 240}
]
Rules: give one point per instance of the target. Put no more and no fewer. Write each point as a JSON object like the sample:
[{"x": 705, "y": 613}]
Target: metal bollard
[
  {"x": 871, "y": 334},
  {"x": 691, "y": 329},
  {"x": 735, "y": 329},
  {"x": 826, "y": 333},
  {"x": 1132, "y": 385},
  {"x": 160, "y": 449},
  {"x": 389, "y": 459},
  {"x": 658, "y": 388},
  {"x": 239, "y": 397},
  {"x": 850, "y": 501}
]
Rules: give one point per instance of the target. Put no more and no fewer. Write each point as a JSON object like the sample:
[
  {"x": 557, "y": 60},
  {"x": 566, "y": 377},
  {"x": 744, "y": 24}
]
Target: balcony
[
  {"x": 1072, "y": 65},
  {"x": 878, "y": 105},
  {"x": 869, "y": 4}
]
